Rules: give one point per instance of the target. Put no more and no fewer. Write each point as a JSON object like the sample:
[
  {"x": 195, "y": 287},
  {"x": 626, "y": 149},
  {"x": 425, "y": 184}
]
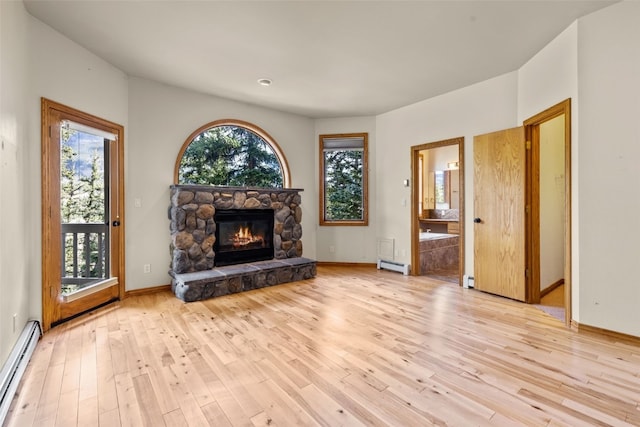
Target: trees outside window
[
  {"x": 82, "y": 178},
  {"x": 231, "y": 154},
  {"x": 343, "y": 180},
  {"x": 82, "y": 201}
]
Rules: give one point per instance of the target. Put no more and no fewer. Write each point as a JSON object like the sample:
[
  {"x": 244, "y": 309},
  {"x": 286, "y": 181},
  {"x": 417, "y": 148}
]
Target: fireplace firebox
[{"x": 243, "y": 235}]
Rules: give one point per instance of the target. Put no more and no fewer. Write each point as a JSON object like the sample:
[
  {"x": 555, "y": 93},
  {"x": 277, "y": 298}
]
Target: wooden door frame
[
  {"x": 532, "y": 249},
  {"x": 415, "y": 226},
  {"x": 50, "y": 173}
]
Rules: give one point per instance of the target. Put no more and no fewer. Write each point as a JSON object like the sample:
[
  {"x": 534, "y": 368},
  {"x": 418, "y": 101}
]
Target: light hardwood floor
[
  {"x": 354, "y": 346},
  {"x": 555, "y": 298}
]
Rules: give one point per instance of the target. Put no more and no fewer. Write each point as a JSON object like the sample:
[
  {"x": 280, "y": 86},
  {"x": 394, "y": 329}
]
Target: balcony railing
[{"x": 85, "y": 254}]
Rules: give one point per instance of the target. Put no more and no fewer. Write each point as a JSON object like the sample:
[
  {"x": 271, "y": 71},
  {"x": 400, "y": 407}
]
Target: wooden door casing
[
  {"x": 416, "y": 196},
  {"x": 532, "y": 133}
]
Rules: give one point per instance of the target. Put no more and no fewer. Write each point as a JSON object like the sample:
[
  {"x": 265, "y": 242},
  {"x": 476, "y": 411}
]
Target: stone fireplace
[{"x": 220, "y": 235}]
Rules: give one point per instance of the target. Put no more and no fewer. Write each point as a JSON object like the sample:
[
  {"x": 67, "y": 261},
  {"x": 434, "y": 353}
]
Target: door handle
[{"x": 477, "y": 220}]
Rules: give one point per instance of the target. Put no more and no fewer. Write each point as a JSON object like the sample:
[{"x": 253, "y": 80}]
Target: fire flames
[{"x": 244, "y": 237}]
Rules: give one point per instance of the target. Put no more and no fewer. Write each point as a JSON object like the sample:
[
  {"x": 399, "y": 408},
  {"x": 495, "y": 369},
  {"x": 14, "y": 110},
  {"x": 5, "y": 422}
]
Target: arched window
[{"x": 234, "y": 153}]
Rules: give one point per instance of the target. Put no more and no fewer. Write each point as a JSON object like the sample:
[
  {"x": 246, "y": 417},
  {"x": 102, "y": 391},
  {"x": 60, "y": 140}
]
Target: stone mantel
[{"x": 227, "y": 189}]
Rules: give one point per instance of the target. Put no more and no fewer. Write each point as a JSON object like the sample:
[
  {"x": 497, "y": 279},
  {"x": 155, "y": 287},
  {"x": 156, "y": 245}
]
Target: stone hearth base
[{"x": 220, "y": 281}]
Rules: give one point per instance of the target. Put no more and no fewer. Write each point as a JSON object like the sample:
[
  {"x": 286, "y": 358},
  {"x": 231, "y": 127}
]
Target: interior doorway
[
  {"x": 522, "y": 209},
  {"x": 437, "y": 210},
  {"x": 549, "y": 197}
]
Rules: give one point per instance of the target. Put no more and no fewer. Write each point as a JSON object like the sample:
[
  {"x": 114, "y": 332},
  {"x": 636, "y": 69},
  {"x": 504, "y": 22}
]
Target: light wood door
[
  {"x": 82, "y": 212},
  {"x": 499, "y": 213}
]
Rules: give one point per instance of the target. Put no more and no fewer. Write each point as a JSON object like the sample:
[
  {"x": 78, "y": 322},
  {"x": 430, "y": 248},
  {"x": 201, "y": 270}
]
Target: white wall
[
  {"x": 550, "y": 76},
  {"x": 15, "y": 266},
  {"x": 441, "y": 156},
  {"x": 552, "y": 202},
  {"x": 598, "y": 58},
  {"x": 349, "y": 244},
  {"x": 161, "y": 118},
  {"x": 484, "y": 107},
  {"x": 609, "y": 84},
  {"x": 65, "y": 72}
]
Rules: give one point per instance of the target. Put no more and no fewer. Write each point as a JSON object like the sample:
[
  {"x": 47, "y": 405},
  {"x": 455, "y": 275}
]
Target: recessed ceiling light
[{"x": 265, "y": 82}]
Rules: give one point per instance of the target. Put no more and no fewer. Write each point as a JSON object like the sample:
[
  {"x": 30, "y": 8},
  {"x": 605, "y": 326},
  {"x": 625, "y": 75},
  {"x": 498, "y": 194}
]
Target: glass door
[
  {"x": 83, "y": 252},
  {"x": 84, "y": 209}
]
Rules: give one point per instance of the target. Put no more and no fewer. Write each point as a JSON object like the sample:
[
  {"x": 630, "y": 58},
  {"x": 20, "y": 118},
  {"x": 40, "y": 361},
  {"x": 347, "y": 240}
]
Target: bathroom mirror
[
  {"x": 439, "y": 186},
  {"x": 442, "y": 190}
]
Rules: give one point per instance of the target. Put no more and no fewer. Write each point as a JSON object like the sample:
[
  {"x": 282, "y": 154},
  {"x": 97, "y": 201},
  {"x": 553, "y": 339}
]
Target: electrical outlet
[
  {"x": 137, "y": 202},
  {"x": 332, "y": 249},
  {"x": 147, "y": 268}
]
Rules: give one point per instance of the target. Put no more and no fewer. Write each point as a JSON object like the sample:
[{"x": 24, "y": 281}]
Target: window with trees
[
  {"x": 343, "y": 179},
  {"x": 232, "y": 153},
  {"x": 84, "y": 205}
]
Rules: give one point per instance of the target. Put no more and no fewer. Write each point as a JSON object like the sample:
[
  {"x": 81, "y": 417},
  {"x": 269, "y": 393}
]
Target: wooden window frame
[{"x": 365, "y": 182}]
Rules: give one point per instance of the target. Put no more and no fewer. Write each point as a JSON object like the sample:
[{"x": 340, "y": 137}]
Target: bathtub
[
  {"x": 438, "y": 252},
  {"x": 432, "y": 236}
]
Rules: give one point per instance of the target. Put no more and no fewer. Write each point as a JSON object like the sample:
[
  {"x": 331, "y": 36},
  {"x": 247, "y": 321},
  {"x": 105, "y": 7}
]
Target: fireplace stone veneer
[{"x": 193, "y": 227}]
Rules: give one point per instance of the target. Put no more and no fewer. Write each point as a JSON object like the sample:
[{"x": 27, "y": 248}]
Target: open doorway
[
  {"x": 522, "y": 210},
  {"x": 437, "y": 210},
  {"x": 549, "y": 196}
]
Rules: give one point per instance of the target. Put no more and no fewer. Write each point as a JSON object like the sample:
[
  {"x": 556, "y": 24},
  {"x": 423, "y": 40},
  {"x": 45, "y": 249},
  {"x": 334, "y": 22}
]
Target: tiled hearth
[{"x": 193, "y": 237}]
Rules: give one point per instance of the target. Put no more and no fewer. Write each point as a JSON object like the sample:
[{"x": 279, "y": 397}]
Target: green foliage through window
[
  {"x": 344, "y": 187},
  {"x": 230, "y": 155},
  {"x": 83, "y": 203}
]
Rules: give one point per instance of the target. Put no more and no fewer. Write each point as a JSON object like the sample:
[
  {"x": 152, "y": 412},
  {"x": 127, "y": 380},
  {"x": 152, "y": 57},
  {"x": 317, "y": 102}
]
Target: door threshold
[{"x": 97, "y": 287}]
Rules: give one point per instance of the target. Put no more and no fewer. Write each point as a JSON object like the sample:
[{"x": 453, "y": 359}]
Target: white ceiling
[{"x": 326, "y": 58}]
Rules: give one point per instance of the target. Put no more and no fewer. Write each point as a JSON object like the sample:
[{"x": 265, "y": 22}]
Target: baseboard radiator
[
  {"x": 16, "y": 364},
  {"x": 394, "y": 266}
]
